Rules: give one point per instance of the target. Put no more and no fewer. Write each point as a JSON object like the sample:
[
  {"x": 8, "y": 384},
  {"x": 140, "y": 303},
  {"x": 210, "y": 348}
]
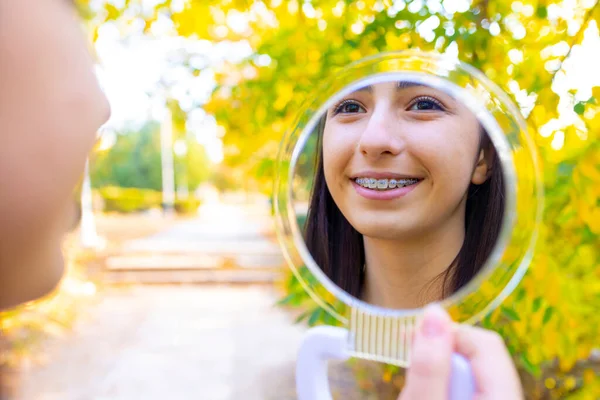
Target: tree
[{"x": 134, "y": 161}]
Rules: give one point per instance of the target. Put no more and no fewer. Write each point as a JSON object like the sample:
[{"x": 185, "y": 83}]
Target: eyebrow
[{"x": 399, "y": 85}]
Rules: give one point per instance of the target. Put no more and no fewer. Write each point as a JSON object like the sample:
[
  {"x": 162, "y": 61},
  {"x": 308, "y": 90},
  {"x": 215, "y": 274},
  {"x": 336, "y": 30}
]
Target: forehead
[{"x": 398, "y": 85}]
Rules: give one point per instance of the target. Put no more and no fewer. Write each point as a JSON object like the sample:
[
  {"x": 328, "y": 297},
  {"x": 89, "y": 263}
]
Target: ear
[{"x": 484, "y": 165}]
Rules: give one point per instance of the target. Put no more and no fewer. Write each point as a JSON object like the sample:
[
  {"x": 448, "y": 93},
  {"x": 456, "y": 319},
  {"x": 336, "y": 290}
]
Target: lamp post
[
  {"x": 88, "y": 235},
  {"x": 180, "y": 148},
  {"x": 166, "y": 156}
]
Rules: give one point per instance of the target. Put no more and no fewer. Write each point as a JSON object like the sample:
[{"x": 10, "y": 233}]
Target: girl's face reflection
[{"x": 420, "y": 145}]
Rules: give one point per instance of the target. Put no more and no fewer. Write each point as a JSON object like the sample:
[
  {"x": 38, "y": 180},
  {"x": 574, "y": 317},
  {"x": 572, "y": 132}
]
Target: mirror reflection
[{"x": 400, "y": 194}]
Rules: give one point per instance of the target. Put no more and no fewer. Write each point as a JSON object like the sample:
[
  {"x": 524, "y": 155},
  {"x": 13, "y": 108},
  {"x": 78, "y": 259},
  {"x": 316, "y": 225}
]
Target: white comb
[{"x": 381, "y": 338}]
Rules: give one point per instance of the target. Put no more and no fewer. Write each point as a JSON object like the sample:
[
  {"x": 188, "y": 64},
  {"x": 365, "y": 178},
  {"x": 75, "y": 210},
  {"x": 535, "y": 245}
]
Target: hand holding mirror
[{"x": 416, "y": 182}]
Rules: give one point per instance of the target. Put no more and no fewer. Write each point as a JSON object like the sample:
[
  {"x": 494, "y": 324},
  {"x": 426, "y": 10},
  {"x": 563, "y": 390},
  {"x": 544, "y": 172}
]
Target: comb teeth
[{"x": 381, "y": 338}]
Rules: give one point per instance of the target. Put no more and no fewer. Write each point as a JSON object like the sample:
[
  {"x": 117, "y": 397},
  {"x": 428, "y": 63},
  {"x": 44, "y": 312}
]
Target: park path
[
  {"x": 173, "y": 342},
  {"x": 225, "y": 243},
  {"x": 223, "y": 339},
  {"x": 180, "y": 342}
]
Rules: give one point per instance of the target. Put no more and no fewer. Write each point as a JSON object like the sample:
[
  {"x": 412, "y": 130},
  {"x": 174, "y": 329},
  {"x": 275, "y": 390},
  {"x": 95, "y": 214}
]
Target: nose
[{"x": 382, "y": 135}]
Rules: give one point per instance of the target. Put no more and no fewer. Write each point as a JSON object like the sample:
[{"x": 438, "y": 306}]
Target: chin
[
  {"x": 51, "y": 272},
  {"x": 38, "y": 277},
  {"x": 58, "y": 270},
  {"x": 53, "y": 275},
  {"x": 389, "y": 228},
  {"x": 375, "y": 230}
]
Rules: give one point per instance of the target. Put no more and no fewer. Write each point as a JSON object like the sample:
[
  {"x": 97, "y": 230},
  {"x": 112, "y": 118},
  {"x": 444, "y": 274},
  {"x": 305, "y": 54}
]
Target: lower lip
[{"x": 388, "y": 194}]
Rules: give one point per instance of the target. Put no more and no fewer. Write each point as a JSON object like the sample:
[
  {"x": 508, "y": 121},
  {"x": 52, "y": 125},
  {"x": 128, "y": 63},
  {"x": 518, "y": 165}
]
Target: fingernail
[{"x": 435, "y": 321}]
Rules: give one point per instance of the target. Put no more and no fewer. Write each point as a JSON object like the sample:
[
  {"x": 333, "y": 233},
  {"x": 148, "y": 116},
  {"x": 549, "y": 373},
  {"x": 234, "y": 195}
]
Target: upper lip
[{"x": 383, "y": 175}]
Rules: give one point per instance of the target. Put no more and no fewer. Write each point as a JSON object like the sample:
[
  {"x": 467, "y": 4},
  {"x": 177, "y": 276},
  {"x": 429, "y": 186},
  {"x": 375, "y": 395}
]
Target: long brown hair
[{"x": 338, "y": 248}]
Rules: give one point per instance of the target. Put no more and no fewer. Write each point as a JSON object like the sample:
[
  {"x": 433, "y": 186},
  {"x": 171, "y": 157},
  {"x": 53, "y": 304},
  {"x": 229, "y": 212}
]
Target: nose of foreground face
[{"x": 381, "y": 137}]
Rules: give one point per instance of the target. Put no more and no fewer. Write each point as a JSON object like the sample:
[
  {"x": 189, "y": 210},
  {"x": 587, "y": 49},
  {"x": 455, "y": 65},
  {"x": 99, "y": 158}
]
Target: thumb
[{"x": 428, "y": 376}]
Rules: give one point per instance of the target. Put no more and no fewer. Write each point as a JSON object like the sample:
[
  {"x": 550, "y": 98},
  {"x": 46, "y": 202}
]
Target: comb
[{"x": 385, "y": 339}]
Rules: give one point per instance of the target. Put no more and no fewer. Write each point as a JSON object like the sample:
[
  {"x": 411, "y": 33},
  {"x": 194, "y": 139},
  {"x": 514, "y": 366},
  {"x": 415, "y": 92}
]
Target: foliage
[
  {"x": 127, "y": 200},
  {"x": 186, "y": 206},
  {"x": 329, "y": 34},
  {"x": 546, "y": 331},
  {"x": 134, "y": 161}
]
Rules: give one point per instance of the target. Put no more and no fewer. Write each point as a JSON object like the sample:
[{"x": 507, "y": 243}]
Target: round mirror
[{"x": 408, "y": 179}]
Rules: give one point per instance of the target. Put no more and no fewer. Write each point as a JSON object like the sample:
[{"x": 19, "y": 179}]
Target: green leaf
[
  {"x": 509, "y": 346},
  {"x": 547, "y": 315},
  {"x": 587, "y": 235},
  {"x": 315, "y": 316},
  {"x": 520, "y": 295},
  {"x": 302, "y": 316},
  {"x": 510, "y": 314},
  {"x": 487, "y": 320},
  {"x": 537, "y": 303},
  {"x": 579, "y": 108},
  {"x": 289, "y": 299},
  {"x": 566, "y": 217},
  {"x": 528, "y": 365},
  {"x": 541, "y": 12},
  {"x": 329, "y": 319}
]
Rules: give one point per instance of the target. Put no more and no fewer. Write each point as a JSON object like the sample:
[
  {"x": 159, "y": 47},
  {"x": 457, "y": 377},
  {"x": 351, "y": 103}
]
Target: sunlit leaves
[{"x": 520, "y": 42}]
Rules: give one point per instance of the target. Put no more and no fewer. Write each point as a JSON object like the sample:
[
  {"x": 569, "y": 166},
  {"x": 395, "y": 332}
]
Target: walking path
[
  {"x": 174, "y": 342},
  {"x": 226, "y": 243}
]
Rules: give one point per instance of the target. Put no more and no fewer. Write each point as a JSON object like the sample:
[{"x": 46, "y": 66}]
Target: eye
[
  {"x": 426, "y": 104},
  {"x": 348, "y": 107}
]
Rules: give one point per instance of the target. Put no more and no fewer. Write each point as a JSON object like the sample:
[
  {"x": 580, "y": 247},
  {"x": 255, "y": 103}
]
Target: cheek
[
  {"x": 338, "y": 149},
  {"x": 447, "y": 150}
]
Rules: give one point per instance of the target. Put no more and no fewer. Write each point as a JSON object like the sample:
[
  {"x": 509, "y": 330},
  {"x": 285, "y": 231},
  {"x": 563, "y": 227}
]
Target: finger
[
  {"x": 495, "y": 374},
  {"x": 428, "y": 376}
]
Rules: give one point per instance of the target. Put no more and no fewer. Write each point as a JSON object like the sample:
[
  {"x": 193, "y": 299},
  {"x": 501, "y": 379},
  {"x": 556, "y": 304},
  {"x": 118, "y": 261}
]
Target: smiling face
[{"x": 398, "y": 159}]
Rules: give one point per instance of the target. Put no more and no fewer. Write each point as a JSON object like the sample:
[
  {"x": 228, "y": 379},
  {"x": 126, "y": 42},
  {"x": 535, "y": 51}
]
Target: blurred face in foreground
[{"x": 51, "y": 108}]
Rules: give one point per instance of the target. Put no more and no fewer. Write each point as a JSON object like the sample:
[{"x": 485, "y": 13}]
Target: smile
[{"x": 385, "y": 184}]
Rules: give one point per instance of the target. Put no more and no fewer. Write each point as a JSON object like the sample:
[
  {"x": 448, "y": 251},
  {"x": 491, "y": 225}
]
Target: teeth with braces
[{"x": 383, "y": 184}]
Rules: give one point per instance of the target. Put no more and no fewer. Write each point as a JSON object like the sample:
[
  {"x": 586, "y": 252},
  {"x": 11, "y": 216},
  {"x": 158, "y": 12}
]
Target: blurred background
[{"x": 176, "y": 287}]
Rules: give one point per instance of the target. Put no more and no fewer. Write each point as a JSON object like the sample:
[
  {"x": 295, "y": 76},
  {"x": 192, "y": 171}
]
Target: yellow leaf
[
  {"x": 550, "y": 383},
  {"x": 592, "y": 219},
  {"x": 596, "y": 93},
  {"x": 590, "y": 170},
  {"x": 588, "y": 375},
  {"x": 112, "y": 12},
  {"x": 387, "y": 376}
]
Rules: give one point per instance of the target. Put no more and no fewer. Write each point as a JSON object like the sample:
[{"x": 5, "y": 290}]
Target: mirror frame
[{"x": 480, "y": 95}]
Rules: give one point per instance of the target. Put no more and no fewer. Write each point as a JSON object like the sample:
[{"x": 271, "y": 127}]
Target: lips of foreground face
[{"x": 383, "y": 137}]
